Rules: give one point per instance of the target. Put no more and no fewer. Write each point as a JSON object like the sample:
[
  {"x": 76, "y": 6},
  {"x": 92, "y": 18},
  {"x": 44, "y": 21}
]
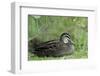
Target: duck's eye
[{"x": 65, "y": 39}]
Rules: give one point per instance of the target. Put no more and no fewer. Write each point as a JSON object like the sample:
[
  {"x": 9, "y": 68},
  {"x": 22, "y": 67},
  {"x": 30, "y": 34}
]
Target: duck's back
[{"x": 49, "y": 48}]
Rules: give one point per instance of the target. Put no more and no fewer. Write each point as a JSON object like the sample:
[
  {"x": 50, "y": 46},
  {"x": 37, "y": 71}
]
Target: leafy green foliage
[{"x": 51, "y": 27}]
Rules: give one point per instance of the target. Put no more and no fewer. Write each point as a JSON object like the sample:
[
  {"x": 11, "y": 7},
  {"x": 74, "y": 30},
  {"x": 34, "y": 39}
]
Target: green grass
[{"x": 51, "y": 27}]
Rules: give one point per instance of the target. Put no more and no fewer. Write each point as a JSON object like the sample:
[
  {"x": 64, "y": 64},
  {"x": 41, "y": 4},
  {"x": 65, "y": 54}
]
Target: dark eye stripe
[{"x": 67, "y": 36}]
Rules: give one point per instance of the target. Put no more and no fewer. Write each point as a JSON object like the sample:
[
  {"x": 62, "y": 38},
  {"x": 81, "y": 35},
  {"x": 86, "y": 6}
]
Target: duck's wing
[{"x": 48, "y": 44}]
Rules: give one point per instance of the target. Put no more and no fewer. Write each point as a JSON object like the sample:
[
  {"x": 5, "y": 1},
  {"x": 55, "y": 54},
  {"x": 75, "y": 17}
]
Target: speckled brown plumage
[{"x": 55, "y": 48}]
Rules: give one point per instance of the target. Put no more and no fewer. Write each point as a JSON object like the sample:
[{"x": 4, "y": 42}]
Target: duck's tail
[{"x": 32, "y": 44}]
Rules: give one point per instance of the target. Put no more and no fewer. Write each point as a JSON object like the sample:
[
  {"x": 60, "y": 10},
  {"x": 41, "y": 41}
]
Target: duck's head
[{"x": 65, "y": 38}]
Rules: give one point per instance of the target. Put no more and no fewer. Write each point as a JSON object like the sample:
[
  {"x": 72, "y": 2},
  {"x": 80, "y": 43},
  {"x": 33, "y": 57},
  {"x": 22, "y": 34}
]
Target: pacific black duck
[{"x": 54, "y": 48}]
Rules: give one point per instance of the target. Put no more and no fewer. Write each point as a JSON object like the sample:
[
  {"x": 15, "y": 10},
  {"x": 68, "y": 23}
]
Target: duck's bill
[{"x": 72, "y": 42}]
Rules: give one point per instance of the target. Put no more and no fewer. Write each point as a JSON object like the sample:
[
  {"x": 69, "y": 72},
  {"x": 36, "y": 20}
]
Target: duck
[{"x": 55, "y": 48}]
